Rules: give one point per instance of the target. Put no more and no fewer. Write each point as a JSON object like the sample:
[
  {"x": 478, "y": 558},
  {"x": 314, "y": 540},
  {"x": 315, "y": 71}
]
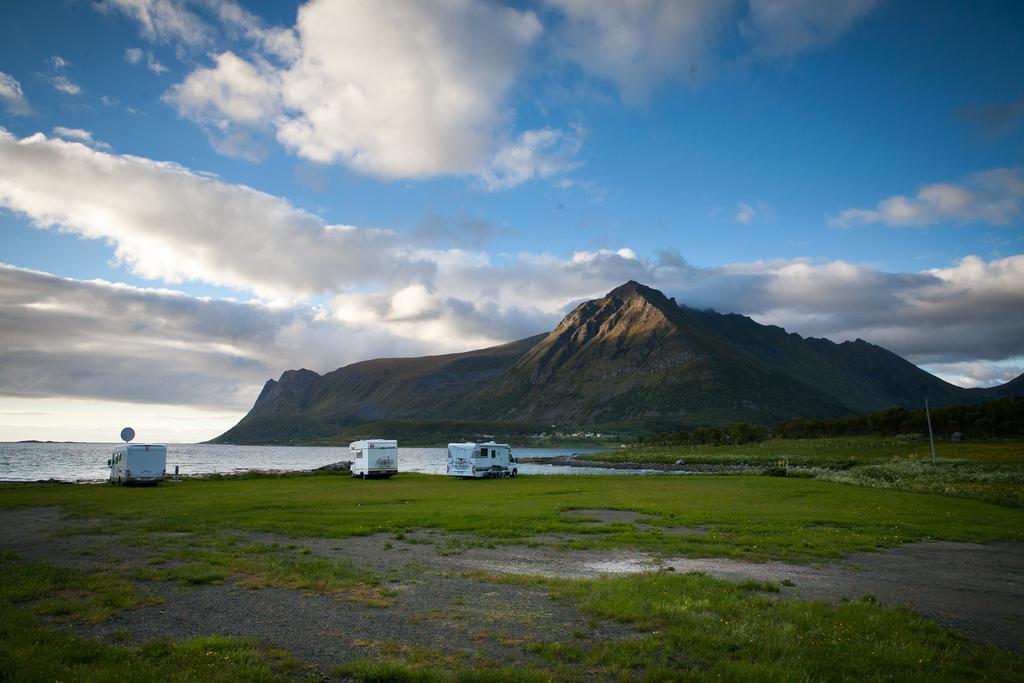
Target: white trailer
[
  {"x": 138, "y": 463},
  {"x": 374, "y": 458},
  {"x": 481, "y": 460}
]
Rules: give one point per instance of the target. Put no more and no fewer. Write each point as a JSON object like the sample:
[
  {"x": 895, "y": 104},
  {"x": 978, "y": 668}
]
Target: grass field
[
  {"x": 987, "y": 470},
  {"x": 755, "y": 518},
  {"x": 704, "y": 628},
  {"x": 826, "y": 452}
]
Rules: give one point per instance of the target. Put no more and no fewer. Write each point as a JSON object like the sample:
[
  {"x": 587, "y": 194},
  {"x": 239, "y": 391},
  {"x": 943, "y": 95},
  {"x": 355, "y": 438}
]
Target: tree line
[{"x": 992, "y": 419}]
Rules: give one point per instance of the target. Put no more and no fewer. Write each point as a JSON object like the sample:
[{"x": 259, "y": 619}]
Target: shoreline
[{"x": 694, "y": 468}]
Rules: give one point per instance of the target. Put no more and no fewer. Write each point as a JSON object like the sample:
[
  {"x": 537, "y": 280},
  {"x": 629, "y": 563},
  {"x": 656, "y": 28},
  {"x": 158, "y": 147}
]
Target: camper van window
[
  {"x": 359, "y": 454},
  {"x": 494, "y": 452}
]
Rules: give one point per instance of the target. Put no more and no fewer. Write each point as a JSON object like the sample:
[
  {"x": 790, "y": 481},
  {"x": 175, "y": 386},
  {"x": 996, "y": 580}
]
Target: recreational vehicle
[
  {"x": 373, "y": 458},
  {"x": 137, "y": 463},
  {"x": 481, "y": 460}
]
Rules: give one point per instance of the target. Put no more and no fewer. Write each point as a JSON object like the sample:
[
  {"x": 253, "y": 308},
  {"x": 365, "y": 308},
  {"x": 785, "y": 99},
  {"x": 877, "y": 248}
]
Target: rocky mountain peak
[{"x": 632, "y": 319}]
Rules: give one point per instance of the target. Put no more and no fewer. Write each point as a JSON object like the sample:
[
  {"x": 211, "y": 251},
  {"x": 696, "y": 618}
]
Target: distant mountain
[
  {"x": 304, "y": 406},
  {"x": 631, "y": 358}
]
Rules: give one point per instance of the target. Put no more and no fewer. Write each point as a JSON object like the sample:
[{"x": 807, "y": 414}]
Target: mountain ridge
[{"x": 633, "y": 356}]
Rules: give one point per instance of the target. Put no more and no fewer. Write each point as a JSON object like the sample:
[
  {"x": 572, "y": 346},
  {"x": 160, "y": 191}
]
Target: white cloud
[
  {"x": 975, "y": 373},
  {"x": 163, "y": 21},
  {"x": 234, "y": 91},
  {"x": 966, "y": 312},
  {"x": 995, "y": 197},
  {"x": 58, "y": 62},
  {"x": 134, "y": 55},
  {"x": 168, "y": 223},
  {"x": 187, "y": 25},
  {"x": 277, "y": 41},
  {"x": 745, "y": 213},
  {"x": 65, "y": 85},
  {"x": 65, "y": 338},
  {"x": 639, "y": 44},
  {"x": 412, "y": 303},
  {"x": 154, "y": 65},
  {"x": 540, "y": 154},
  {"x": 62, "y": 337},
  {"x": 80, "y": 135},
  {"x": 171, "y": 224},
  {"x": 394, "y": 90},
  {"x": 402, "y": 90},
  {"x": 12, "y": 96}
]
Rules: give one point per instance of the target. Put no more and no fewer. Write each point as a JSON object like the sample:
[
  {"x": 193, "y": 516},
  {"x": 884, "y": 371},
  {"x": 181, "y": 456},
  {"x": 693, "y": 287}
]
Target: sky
[{"x": 197, "y": 195}]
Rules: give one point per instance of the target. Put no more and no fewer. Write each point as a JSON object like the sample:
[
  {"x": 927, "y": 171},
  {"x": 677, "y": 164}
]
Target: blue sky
[{"x": 178, "y": 168}]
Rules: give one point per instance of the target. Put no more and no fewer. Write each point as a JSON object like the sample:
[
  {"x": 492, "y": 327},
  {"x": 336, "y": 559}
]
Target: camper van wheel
[
  {"x": 515, "y": 472},
  {"x": 362, "y": 475}
]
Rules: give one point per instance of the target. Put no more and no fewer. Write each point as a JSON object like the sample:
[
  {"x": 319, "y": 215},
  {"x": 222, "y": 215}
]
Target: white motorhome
[
  {"x": 481, "y": 460},
  {"x": 138, "y": 463},
  {"x": 374, "y": 458}
]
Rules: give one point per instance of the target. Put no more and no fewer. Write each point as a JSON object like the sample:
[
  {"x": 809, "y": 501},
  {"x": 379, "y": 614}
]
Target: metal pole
[{"x": 931, "y": 436}]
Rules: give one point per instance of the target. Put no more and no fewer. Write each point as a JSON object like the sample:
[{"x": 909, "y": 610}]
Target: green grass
[
  {"x": 65, "y": 594},
  {"x": 986, "y": 470},
  {"x": 212, "y": 558},
  {"x": 698, "y": 628},
  {"x": 758, "y": 518},
  {"x": 30, "y": 650},
  {"x": 377, "y": 671},
  {"x": 685, "y": 625},
  {"x": 996, "y": 483},
  {"x": 825, "y": 452},
  {"x": 701, "y": 628}
]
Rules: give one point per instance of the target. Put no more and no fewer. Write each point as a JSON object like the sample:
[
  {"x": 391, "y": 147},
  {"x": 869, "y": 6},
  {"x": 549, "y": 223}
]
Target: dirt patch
[
  {"x": 975, "y": 589},
  {"x": 602, "y": 516},
  {"x": 972, "y": 588},
  {"x": 433, "y": 607},
  {"x": 674, "y": 530},
  {"x": 460, "y": 617}
]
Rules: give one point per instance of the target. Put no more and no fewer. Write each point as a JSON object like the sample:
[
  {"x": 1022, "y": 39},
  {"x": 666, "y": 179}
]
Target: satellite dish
[{"x": 127, "y": 434}]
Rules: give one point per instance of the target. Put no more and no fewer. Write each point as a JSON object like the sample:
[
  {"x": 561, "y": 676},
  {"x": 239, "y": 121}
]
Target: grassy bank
[
  {"x": 826, "y": 452},
  {"x": 987, "y": 470},
  {"x": 757, "y": 518}
]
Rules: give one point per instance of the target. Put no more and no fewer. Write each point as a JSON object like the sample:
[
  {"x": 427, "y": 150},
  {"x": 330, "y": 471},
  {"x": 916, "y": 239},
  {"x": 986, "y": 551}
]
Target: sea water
[{"x": 87, "y": 462}]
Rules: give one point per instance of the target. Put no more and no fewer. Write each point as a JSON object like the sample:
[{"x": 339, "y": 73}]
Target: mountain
[
  {"x": 303, "y": 405},
  {"x": 632, "y": 358}
]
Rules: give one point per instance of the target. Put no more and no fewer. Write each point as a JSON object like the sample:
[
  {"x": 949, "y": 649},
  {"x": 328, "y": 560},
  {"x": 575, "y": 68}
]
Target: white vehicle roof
[
  {"x": 374, "y": 443},
  {"x": 472, "y": 444},
  {"x": 140, "y": 446}
]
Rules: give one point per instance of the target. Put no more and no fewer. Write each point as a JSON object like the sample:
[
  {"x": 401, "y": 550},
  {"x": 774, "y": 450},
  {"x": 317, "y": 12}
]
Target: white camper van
[
  {"x": 481, "y": 460},
  {"x": 374, "y": 458},
  {"x": 138, "y": 463}
]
